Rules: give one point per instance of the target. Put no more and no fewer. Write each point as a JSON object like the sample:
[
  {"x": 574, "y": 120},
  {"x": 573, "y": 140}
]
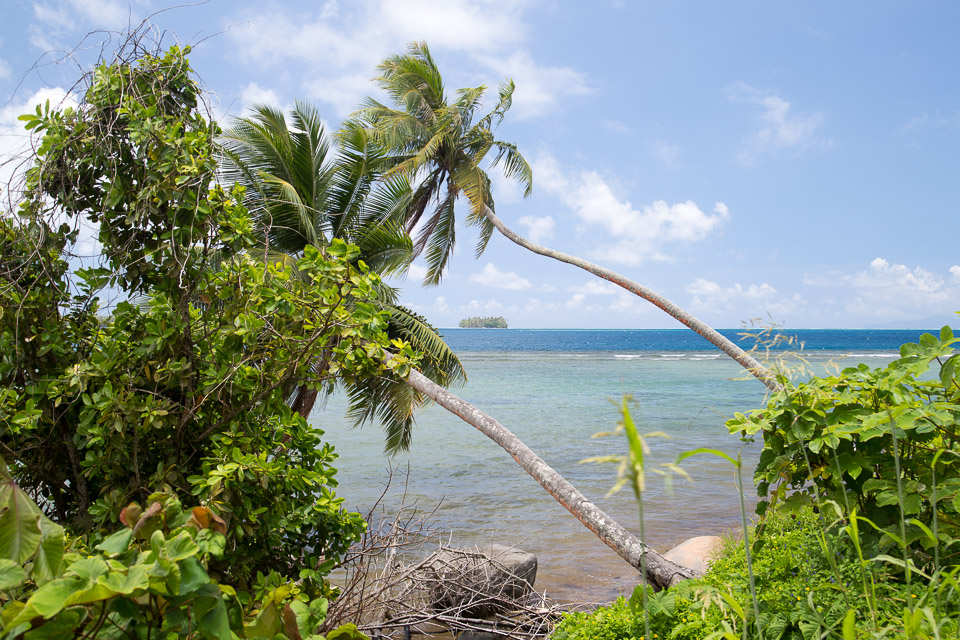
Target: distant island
[{"x": 484, "y": 323}]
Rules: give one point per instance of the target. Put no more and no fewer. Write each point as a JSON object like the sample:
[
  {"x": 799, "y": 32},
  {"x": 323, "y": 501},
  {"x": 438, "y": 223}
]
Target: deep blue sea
[
  {"x": 670, "y": 340},
  {"x": 555, "y": 389}
]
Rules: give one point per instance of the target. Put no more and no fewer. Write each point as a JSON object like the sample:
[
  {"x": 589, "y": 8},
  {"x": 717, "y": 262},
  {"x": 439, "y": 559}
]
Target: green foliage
[
  {"x": 440, "y": 145},
  {"x": 808, "y": 578},
  {"x": 186, "y": 389},
  {"x": 149, "y": 578},
  {"x": 856, "y": 463},
  {"x": 476, "y": 322},
  {"x": 302, "y": 190},
  {"x": 616, "y": 622},
  {"x": 880, "y": 442}
]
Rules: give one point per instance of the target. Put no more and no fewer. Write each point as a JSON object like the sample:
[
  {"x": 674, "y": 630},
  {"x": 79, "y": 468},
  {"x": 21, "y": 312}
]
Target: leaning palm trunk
[
  {"x": 706, "y": 331},
  {"x": 659, "y": 570}
]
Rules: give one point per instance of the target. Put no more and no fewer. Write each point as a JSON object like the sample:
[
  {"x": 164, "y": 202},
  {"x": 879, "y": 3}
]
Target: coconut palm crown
[
  {"x": 440, "y": 147},
  {"x": 301, "y": 189}
]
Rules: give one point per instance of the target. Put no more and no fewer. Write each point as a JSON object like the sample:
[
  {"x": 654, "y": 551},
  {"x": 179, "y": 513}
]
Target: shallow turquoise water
[{"x": 555, "y": 401}]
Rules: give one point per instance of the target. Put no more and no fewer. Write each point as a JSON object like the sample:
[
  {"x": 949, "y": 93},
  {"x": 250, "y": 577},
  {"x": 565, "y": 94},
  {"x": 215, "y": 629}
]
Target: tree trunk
[
  {"x": 706, "y": 331},
  {"x": 660, "y": 571}
]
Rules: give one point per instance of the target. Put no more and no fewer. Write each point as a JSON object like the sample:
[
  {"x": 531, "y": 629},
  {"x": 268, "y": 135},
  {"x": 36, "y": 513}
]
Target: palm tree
[
  {"x": 438, "y": 143},
  {"x": 440, "y": 146},
  {"x": 303, "y": 190}
]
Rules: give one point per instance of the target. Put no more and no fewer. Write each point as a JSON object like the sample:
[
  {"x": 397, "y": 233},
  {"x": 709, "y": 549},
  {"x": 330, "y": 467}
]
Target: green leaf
[
  {"x": 715, "y": 452},
  {"x": 849, "y": 625},
  {"x": 181, "y": 546},
  {"x": 52, "y": 597},
  {"x": 267, "y": 623},
  {"x": 949, "y": 370},
  {"x": 214, "y": 623},
  {"x": 119, "y": 583},
  {"x": 946, "y": 334},
  {"x": 12, "y": 574},
  {"x": 90, "y": 568},
  {"x": 116, "y": 543},
  {"x": 192, "y": 575},
  {"x": 20, "y": 530},
  {"x": 346, "y": 632},
  {"x": 49, "y": 557},
  {"x": 62, "y": 627}
]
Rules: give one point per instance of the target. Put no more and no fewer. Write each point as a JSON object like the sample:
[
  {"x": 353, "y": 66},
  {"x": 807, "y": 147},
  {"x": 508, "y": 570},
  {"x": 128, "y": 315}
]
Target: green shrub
[
  {"x": 882, "y": 442},
  {"x": 616, "y": 622},
  {"x": 808, "y": 577},
  {"x": 855, "y": 464},
  {"x": 149, "y": 579},
  {"x": 184, "y": 382}
]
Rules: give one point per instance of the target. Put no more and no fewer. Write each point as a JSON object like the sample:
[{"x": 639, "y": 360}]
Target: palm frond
[
  {"x": 468, "y": 100},
  {"x": 393, "y": 403},
  {"x": 386, "y": 247},
  {"x": 475, "y": 184},
  {"x": 438, "y": 237},
  {"x": 439, "y": 363},
  {"x": 515, "y": 166},
  {"x": 495, "y": 117},
  {"x": 389, "y": 201}
]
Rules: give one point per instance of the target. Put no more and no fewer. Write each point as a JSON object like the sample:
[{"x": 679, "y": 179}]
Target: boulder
[
  {"x": 695, "y": 553},
  {"x": 477, "y": 582}
]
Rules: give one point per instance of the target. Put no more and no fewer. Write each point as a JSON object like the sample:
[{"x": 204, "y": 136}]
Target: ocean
[{"x": 555, "y": 389}]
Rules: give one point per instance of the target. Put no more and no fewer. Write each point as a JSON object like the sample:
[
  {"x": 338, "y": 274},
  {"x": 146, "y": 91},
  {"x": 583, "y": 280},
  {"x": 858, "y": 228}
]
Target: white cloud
[
  {"x": 924, "y": 120},
  {"x": 779, "y": 127},
  {"x": 454, "y": 24},
  {"x": 254, "y": 95},
  {"x": 639, "y": 233},
  {"x": 538, "y": 88},
  {"x": 914, "y": 123},
  {"x": 627, "y": 302},
  {"x": 112, "y": 13},
  {"x": 888, "y": 291},
  {"x": 440, "y": 305},
  {"x": 490, "y": 306},
  {"x": 416, "y": 273},
  {"x": 597, "y": 288},
  {"x": 755, "y": 299},
  {"x": 57, "y": 19},
  {"x": 701, "y": 287},
  {"x": 490, "y": 276},
  {"x": 669, "y": 154},
  {"x": 337, "y": 48},
  {"x": 505, "y": 190},
  {"x": 4, "y": 69},
  {"x": 538, "y": 229},
  {"x": 618, "y": 126}
]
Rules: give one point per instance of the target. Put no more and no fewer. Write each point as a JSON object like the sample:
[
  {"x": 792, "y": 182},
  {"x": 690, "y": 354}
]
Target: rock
[
  {"x": 476, "y": 582},
  {"x": 695, "y": 553}
]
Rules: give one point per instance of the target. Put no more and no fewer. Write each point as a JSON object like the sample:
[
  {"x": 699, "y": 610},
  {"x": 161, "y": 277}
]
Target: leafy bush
[
  {"x": 882, "y": 442},
  {"x": 186, "y": 388},
  {"x": 809, "y": 578},
  {"x": 150, "y": 578},
  {"x": 855, "y": 463},
  {"x": 617, "y": 622}
]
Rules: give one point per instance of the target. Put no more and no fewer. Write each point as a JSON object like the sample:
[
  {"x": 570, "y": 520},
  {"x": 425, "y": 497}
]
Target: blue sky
[{"x": 785, "y": 160}]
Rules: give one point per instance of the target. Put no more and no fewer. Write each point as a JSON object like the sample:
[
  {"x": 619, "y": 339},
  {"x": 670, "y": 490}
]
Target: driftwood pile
[{"x": 402, "y": 580}]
